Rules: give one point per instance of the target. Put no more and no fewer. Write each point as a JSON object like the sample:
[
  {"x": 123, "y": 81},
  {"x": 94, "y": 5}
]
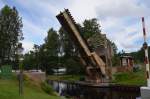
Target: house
[{"x": 126, "y": 63}]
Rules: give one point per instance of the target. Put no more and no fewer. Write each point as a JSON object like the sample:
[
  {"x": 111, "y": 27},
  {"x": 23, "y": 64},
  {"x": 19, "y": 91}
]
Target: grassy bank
[
  {"x": 130, "y": 78},
  {"x": 125, "y": 78},
  {"x": 65, "y": 77},
  {"x": 9, "y": 90}
]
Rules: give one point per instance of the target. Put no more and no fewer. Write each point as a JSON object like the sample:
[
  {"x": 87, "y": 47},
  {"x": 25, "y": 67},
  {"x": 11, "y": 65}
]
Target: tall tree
[
  {"x": 10, "y": 33},
  {"x": 51, "y": 50},
  {"x": 68, "y": 46},
  {"x": 44, "y": 56},
  {"x": 36, "y": 54},
  {"x": 52, "y": 42},
  {"x": 90, "y": 27}
]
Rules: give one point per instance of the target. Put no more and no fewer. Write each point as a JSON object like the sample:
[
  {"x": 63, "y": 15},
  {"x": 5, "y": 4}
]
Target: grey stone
[{"x": 145, "y": 92}]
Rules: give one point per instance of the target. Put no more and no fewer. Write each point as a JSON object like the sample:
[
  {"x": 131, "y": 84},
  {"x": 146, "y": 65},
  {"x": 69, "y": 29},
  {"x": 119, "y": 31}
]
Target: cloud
[
  {"x": 27, "y": 45},
  {"x": 1, "y": 4},
  {"x": 119, "y": 19},
  {"x": 123, "y": 35},
  {"x": 117, "y": 8},
  {"x": 32, "y": 29},
  {"x": 107, "y": 8}
]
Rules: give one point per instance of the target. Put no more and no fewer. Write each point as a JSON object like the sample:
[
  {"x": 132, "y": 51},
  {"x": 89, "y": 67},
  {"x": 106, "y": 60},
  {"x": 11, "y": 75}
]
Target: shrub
[
  {"x": 47, "y": 88},
  {"x": 26, "y": 78}
]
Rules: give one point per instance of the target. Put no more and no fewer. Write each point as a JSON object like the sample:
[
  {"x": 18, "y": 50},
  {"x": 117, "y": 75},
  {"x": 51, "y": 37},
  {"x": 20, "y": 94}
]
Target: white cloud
[
  {"x": 115, "y": 17},
  {"x": 121, "y": 8},
  {"x": 82, "y": 9},
  {"x": 33, "y": 29},
  {"x": 123, "y": 35},
  {"x": 27, "y": 45}
]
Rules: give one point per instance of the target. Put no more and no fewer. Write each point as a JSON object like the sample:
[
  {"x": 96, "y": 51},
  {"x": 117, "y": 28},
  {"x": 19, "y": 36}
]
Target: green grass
[
  {"x": 65, "y": 77},
  {"x": 125, "y": 78},
  {"x": 130, "y": 78},
  {"x": 9, "y": 90}
]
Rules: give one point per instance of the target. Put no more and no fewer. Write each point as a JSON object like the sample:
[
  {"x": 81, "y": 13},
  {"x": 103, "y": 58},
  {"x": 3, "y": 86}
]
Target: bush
[
  {"x": 47, "y": 88},
  {"x": 26, "y": 78},
  {"x": 6, "y": 71}
]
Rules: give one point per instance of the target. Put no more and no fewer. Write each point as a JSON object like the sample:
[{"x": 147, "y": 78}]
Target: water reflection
[{"x": 79, "y": 91}]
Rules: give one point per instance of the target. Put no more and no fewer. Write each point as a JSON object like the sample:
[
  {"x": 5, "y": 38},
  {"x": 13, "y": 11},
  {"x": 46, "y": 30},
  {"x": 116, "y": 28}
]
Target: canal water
[{"x": 81, "y": 91}]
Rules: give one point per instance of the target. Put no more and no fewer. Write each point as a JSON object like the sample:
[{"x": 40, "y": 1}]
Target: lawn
[
  {"x": 9, "y": 90},
  {"x": 131, "y": 78}
]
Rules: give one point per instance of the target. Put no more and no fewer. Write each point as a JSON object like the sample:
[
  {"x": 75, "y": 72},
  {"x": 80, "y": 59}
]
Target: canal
[{"x": 80, "y": 90}]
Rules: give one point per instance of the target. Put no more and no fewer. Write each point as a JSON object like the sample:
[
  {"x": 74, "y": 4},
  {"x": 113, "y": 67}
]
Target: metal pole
[
  {"x": 21, "y": 79},
  {"x": 145, "y": 46},
  {"x": 20, "y": 49}
]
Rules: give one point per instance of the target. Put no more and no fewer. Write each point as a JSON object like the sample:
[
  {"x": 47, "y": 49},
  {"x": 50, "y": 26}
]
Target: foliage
[
  {"x": 89, "y": 30},
  {"x": 47, "y": 88},
  {"x": 113, "y": 45},
  {"x": 10, "y": 33},
  {"x": 6, "y": 71},
  {"x": 116, "y": 59},
  {"x": 68, "y": 46},
  {"x": 139, "y": 55},
  {"x": 59, "y": 50},
  {"x": 74, "y": 66},
  {"x": 90, "y": 27},
  {"x": 70, "y": 58},
  {"x": 45, "y": 56},
  {"x": 50, "y": 49},
  {"x": 52, "y": 43}
]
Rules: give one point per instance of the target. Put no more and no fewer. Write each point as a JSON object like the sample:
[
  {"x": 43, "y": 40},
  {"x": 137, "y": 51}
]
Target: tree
[
  {"x": 114, "y": 47},
  {"x": 45, "y": 56},
  {"x": 90, "y": 27},
  {"x": 139, "y": 55},
  {"x": 56, "y": 43},
  {"x": 74, "y": 66},
  {"x": 51, "y": 50},
  {"x": 36, "y": 52},
  {"x": 10, "y": 33},
  {"x": 68, "y": 46},
  {"x": 52, "y": 42}
]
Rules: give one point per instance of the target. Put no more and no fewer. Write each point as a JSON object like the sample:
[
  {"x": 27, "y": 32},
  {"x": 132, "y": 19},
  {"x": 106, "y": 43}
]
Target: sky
[{"x": 120, "y": 20}]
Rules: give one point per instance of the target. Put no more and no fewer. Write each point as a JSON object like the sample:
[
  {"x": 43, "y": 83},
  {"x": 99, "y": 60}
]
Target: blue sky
[{"x": 119, "y": 19}]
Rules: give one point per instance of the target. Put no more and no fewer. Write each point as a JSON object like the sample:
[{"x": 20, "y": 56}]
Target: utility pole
[
  {"x": 145, "y": 46},
  {"x": 19, "y": 52}
]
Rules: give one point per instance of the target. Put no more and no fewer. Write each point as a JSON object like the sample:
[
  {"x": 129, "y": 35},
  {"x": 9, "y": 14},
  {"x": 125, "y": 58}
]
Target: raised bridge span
[{"x": 96, "y": 69}]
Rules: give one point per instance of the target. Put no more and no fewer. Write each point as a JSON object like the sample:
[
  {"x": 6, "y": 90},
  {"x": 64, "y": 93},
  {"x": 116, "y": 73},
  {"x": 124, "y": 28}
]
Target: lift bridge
[{"x": 96, "y": 69}]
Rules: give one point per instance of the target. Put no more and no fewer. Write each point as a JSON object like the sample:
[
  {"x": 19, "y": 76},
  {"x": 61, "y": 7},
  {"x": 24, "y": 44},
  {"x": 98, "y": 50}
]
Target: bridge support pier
[{"x": 145, "y": 91}]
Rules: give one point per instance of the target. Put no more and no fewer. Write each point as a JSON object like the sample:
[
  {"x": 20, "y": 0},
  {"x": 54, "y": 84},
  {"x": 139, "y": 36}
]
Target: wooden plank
[
  {"x": 77, "y": 34},
  {"x": 99, "y": 62}
]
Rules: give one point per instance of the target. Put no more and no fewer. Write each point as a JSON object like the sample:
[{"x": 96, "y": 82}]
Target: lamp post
[
  {"x": 19, "y": 52},
  {"x": 45, "y": 53}
]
